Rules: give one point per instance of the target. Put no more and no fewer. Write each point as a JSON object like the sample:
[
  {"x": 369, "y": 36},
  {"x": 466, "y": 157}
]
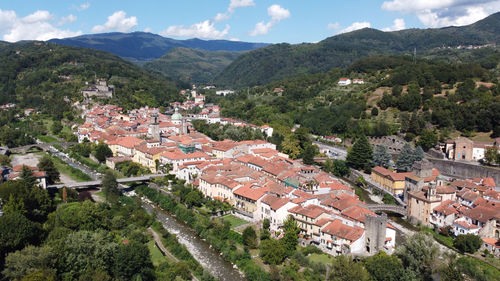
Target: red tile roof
[{"x": 340, "y": 230}]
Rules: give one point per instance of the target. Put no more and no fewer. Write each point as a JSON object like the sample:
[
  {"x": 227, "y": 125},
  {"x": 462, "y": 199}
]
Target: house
[
  {"x": 462, "y": 227},
  {"x": 358, "y": 81},
  {"x": 344, "y": 82},
  {"x": 246, "y": 198},
  {"x": 337, "y": 238},
  {"x": 421, "y": 204},
  {"x": 124, "y": 146},
  {"x": 492, "y": 245},
  {"x": 224, "y": 92},
  {"x": 391, "y": 181},
  {"x": 276, "y": 210},
  {"x": 40, "y": 176},
  {"x": 444, "y": 214},
  {"x": 310, "y": 220}
]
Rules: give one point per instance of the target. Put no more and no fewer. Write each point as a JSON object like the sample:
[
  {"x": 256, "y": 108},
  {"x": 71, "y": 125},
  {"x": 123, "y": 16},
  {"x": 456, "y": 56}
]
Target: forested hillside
[
  {"x": 196, "y": 66},
  {"x": 143, "y": 46},
  {"x": 41, "y": 75},
  {"x": 282, "y": 61},
  {"x": 399, "y": 95}
]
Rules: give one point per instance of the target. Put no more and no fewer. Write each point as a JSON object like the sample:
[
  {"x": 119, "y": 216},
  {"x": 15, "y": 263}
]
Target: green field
[
  {"x": 321, "y": 258},
  {"x": 66, "y": 169},
  {"x": 47, "y": 138},
  {"x": 156, "y": 256},
  {"x": 234, "y": 221}
]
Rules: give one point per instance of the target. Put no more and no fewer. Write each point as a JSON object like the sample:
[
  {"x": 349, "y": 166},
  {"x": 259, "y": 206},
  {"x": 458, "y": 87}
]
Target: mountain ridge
[
  {"x": 281, "y": 61},
  {"x": 144, "y": 46}
]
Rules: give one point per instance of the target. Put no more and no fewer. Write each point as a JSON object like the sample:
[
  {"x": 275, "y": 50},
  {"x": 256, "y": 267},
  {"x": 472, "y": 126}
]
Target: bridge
[
  {"x": 42, "y": 145},
  {"x": 387, "y": 208},
  {"x": 96, "y": 183}
]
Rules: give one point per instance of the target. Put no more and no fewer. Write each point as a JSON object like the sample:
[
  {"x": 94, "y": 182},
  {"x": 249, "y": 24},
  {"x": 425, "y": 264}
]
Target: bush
[{"x": 468, "y": 243}]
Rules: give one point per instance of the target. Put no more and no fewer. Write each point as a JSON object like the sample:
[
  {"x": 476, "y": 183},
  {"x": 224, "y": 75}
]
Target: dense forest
[
  {"x": 195, "y": 66},
  {"x": 400, "y": 94},
  {"x": 282, "y": 61},
  {"x": 48, "y": 77}
]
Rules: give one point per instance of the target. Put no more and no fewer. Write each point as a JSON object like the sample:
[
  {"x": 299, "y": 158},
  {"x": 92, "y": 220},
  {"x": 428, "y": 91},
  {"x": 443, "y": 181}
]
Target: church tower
[{"x": 154, "y": 126}]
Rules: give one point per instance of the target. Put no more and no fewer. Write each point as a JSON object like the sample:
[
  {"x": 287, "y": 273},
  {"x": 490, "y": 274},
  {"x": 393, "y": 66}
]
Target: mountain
[
  {"x": 143, "y": 46},
  {"x": 196, "y": 66},
  {"x": 49, "y": 77},
  {"x": 281, "y": 61}
]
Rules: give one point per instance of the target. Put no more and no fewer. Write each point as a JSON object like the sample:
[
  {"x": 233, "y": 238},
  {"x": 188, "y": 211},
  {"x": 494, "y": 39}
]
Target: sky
[{"x": 269, "y": 21}]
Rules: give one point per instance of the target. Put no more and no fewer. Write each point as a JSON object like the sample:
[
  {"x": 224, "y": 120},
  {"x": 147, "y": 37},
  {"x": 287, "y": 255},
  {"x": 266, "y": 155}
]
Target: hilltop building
[{"x": 100, "y": 90}]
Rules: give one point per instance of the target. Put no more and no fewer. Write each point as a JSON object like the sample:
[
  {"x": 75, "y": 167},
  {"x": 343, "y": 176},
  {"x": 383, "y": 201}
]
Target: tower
[
  {"x": 375, "y": 233},
  {"x": 154, "y": 126}
]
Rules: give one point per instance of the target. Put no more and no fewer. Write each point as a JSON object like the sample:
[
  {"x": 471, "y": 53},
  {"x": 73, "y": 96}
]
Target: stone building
[{"x": 100, "y": 90}]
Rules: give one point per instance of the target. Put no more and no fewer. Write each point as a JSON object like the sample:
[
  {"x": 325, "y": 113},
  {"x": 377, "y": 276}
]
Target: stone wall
[{"x": 465, "y": 170}]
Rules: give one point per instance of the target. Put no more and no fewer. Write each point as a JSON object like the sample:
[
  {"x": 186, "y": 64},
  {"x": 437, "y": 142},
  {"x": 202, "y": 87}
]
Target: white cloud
[
  {"x": 35, "y": 26},
  {"x": 232, "y": 6},
  {"x": 333, "y": 26},
  {"x": 399, "y": 24},
  {"x": 83, "y": 6},
  {"x": 67, "y": 19},
  {"x": 205, "y": 29},
  {"x": 148, "y": 29},
  {"x": 445, "y": 12},
  {"x": 277, "y": 14},
  {"x": 118, "y": 21},
  {"x": 356, "y": 26}
]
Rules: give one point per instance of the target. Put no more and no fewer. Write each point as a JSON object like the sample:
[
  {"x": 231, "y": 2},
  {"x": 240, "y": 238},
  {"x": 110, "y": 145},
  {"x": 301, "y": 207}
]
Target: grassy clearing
[
  {"x": 445, "y": 240},
  {"x": 47, "y": 138},
  {"x": 156, "y": 256},
  {"x": 66, "y": 169},
  {"x": 321, "y": 258},
  {"x": 234, "y": 221}
]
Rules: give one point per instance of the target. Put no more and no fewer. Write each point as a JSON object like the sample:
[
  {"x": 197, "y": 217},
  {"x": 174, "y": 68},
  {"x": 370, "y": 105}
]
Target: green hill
[
  {"x": 49, "y": 77},
  {"x": 197, "y": 66},
  {"x": 281, "y": 61}
]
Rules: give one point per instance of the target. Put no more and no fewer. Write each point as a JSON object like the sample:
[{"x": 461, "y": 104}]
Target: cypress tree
[
  {"x": 381, "y": 157},
  {"x": 406, "y": 159},
  {"x": 360, "y": 155}
]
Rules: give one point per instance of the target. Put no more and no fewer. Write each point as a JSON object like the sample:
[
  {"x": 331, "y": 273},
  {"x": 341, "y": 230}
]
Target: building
[
  {"x": 100, "y": 90},
  {"x": 391, "y": 181},
  {"x": 344, "y": 82},
  {"x": 421, "y": 204},
  {"x": 337, "y": 238}
]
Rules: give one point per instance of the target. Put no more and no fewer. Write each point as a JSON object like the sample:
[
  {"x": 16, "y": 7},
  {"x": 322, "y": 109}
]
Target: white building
[{"x": 344, "y": 81}]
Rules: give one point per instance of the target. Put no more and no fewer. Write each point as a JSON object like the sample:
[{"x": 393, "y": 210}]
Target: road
[
  {"x": 333, "y": 151},
  {"x": 64, "y": 157}
]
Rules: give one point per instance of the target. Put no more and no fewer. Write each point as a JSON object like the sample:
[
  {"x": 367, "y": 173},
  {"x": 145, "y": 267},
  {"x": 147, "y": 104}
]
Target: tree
[
  {"x": 427, "y": 140},
  {"x": 345, "y": 269},
  {"x": 359, "y": 156},
  {"x": 48, "y": 167},
  {"x": 419, "y": 153},
  {"x": 250, "y": 237},
  {"x": 272, "y": 251},
  {"x": 4, "y": 160},
  {"x": 291, "y": 147},
  {"x": 383, "y": 267},
  {"x": 16, "y": 231},
  {"x": 102, "y": 151},
  {"x": 381, "y": 157},
  {"x": 133, "y": 260},
  {"x": 309, "y": 153},
  {"x": 110, "y": 187},
  {"x": 27, "y": 175},
  {"x": 337, "y": 167},
  {"x": 28, "y": 199},
  {"x": 56, "y": 127},
  {"x": 291, "y": 235},
  {"x": 491, "y": 155},
  {"x": 28, "y": 260},
  {"x": 374, "y": 111},
  {"x": 193, "y": 198},
  {"x": 406, "y": 159},
  {"x": 468, "y": 243},
  {"x": 418, "y": 253}
]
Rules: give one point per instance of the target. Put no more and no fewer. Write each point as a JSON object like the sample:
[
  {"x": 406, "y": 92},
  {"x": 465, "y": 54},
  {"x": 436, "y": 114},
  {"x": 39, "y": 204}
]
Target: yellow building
[
  {"x": 147, "y": 156},
  {"x": 391, "y": 181}
]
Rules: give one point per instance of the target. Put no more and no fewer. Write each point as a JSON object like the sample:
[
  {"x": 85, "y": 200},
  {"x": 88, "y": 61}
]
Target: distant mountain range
[
  {"x": 143, "y": 46},
  {"x": 281, "y": 61}
]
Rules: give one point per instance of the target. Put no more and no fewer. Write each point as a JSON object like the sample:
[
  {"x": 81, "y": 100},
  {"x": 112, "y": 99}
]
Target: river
[{"x": 208, "y": 257}]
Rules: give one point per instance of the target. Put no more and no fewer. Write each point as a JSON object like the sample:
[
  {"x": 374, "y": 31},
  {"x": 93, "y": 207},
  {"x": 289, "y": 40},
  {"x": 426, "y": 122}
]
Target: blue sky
[{"x": 270, "y": 21}]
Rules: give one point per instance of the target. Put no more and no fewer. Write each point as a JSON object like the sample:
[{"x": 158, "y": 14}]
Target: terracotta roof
[
  {"x": 445, "y": 189},
  {"x": 275, "y": 202},
  {"x": 251, "y": 191},
  {"x": 340, "y": 230},
  {"x": 492, "y": 241},
  {"x": 311, "y": 211},
  {"x": 128, "y": 142},
  {"x": 482, "y": 213},
  {"x": 446, "y": 208},
  {"x": 358, "y": 213},
  {"x": 465, "y": 224}
]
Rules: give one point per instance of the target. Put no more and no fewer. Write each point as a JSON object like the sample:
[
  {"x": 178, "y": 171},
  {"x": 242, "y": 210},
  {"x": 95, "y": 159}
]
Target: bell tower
[{"x": 154, "y": 126}]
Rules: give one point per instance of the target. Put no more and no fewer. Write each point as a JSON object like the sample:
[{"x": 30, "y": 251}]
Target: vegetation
[
  {"x": 130, "y": 169},
  {"x": 191, "y": 65},
  {"x": 280, "y": 61},
  {"x": 72, "y": 172},
  {"x": 360, "y": 156},
  {"x": 49, "y": 168},
  {"x": 221, "y": 132},
  {"x": 60, "y": 71},
  {"x": 381, "y": 157},
  {"x": 468, "y": 243}
]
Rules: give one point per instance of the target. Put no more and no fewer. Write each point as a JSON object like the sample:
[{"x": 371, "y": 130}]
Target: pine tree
[
  {"x": 381, "y": 157},
  {"x": 419, "y": 153},
  {"x": 360, "y": 155},
  {"x": 51, "y": 171},
  {"x": 27, "y": 175},
  {"x": 406, "y": 159},
  {"x": 110, "y": 187}
]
